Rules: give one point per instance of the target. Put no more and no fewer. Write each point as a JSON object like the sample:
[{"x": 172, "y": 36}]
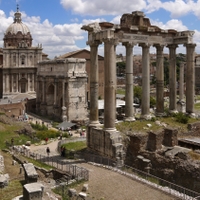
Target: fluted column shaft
[
  {"x": 190, "y": 78},
  {"x": 145, "y": 80},
  {"x": 94, "y": 83},
  {"x": 129, "y": 111},
  {"x": 172, "y": 77},
  {"x": 110, "y": 84},
  {"x": 159, "y": 81}
]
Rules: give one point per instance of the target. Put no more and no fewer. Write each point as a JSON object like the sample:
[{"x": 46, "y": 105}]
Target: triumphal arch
[{"x": 134, "y": 29}]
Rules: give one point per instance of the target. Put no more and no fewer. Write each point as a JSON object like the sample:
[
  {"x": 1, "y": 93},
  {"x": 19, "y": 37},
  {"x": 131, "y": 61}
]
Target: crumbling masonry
[{"x": 134, "y": 29}]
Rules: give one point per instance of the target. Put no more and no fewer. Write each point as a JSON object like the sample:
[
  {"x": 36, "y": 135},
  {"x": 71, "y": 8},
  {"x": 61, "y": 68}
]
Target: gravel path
[{"x": 108, "y": 185}]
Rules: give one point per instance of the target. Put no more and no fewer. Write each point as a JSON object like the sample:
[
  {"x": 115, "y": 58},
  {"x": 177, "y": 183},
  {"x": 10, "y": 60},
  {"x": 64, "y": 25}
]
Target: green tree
[{"x": 121, "y": 67}]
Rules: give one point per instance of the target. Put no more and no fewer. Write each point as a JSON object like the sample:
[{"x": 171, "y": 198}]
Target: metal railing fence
[{"x": 144, "y": 177}]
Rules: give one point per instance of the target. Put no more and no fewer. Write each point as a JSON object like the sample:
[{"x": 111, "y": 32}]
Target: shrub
[
  {"x": 181, "y": 118},
  {"x": 39, "y": 127}
]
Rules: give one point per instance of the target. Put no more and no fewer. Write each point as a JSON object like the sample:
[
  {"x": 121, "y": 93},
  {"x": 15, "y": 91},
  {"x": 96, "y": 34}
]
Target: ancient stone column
[
  {"x": 190, "y": 48},
  {"x": 172, "y": 78},
  {"x": 17, "y": 82},
  {"x": 43, "y": 90},
  {"x": 12, "y": 83},
  {"x": 94, "y": 83},
  {"x": 129, "y": 111},
  {"x": 145, "y": 81},
  {"x": 181, "y": 82},
  {"x": 37, "y": 95},
  {"x": 159, "y": 81},
  {"x": 4, "y": 85},
  {"x": 110, "y": 84},
  {"x": 28, "y": 85},
  {"x": 7, "y": 84},
  {"x": 55, "y": 91},
  {"x": 64, "y": 117}
]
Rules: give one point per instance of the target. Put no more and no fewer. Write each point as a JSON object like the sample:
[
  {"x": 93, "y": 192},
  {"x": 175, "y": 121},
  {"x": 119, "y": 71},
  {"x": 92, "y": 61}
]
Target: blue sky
[{"x": 56, "y": 24}]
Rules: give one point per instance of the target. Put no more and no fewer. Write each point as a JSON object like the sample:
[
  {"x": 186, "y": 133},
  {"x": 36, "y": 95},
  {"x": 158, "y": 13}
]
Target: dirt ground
[{"x": 103, "y": 184}]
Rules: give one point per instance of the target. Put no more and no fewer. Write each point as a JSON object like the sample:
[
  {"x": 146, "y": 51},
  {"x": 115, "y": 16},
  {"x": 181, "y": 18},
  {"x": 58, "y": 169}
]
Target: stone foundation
[
  {"x": 105, "y": 143},
  {"x": 170, "y": 137},
  {"x": 155, "y": 140},
  {"x": 1, "y": 164}
]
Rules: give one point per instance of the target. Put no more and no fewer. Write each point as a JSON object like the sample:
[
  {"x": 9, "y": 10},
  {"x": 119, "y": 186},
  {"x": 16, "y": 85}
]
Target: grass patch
[
  {"x": 13, "y": 189},
  {"x": 8, "y": 133},
  {"x": 76, "y": 146},
  {"x": 36, "y": 163},
  {"x": 194, "y": 155},
  {"x": 141, "y": 125},
  {"x": 63, "y": 190},
  {"x": 73, "y": 148},
  {"x": 121, "y": 91},
  {"x": 197, "y": 106}
]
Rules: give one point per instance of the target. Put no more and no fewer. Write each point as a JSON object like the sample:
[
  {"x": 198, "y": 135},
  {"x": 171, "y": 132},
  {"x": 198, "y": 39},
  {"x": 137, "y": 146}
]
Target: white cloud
[
  {"x": 103, "y": 7},
  {"x": 171, "y": 24},
  {"x": 178, "y": 7},
  {"x": 55, "y": 39}
]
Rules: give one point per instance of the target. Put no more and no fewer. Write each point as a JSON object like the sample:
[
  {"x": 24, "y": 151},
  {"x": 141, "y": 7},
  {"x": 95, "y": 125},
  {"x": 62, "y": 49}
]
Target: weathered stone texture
[
  {"x": 63, "y": 89},
  {"x": 170, "y": 137},
  {"x": 155, "y": 140}
]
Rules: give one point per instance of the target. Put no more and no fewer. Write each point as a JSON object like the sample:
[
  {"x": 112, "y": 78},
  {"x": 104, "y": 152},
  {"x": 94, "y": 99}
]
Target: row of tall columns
[
  {"x": 15, "y": 59},
  {"x": 12, "y": 80},
  {"x": 110, "y": 81}
]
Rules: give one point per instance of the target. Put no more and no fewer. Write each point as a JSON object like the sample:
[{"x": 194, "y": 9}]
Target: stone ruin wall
[
  {"x": 105, "y": 143},
  {"x": 1, "y": 164},
  {"x": 150, "y": 147}
]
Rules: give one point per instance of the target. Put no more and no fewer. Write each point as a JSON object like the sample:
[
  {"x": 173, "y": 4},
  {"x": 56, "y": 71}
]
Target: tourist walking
[{"x": 48, "y": 151}]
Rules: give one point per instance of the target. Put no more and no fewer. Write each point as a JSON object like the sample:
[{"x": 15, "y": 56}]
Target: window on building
[{"x": 23, "y": 60}]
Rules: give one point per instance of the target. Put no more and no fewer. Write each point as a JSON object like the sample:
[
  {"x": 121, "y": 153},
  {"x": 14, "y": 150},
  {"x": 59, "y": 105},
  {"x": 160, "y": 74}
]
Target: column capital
[
  {"x": 159, "y": 47},
  {"x": 172, "y": 46},
  {"x": 144, "y": 45},
  {"x": 191, "y": 45},
  {"x": 113, "y": 41},
  {"x": 94, "y": 43},
  {"x": 128, "y": 44}
]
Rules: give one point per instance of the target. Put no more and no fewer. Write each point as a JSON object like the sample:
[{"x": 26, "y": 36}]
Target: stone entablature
[
  {"x": 61, "y": 89},
  {"x": 70, "y": 67},
  {"x": 135, "y": 29},
  {"x": 21, "y": 57}
]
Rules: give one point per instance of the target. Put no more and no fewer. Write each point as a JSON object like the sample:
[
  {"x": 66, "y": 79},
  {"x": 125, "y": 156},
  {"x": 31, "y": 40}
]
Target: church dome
[{"x": 17, "y": 33}]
